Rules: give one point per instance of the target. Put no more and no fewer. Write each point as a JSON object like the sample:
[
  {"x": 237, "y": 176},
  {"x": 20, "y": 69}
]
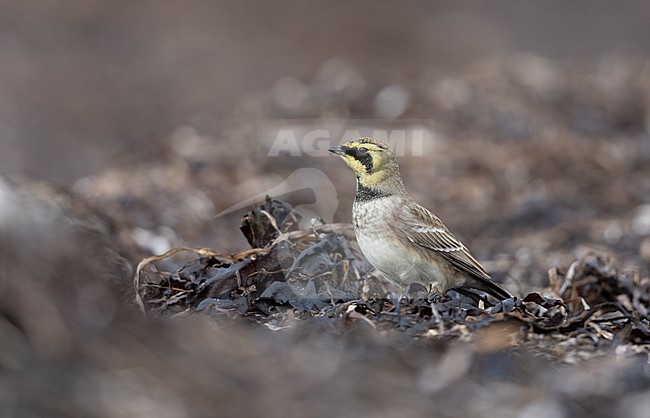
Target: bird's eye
[{"x": 363, "y": 150}]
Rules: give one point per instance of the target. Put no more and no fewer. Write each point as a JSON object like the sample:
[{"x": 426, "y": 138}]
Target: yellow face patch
[
  {"x": 354, "y": 164},
  {"x": 367, "y": 143},
  {"x": 367, "y": 158}
]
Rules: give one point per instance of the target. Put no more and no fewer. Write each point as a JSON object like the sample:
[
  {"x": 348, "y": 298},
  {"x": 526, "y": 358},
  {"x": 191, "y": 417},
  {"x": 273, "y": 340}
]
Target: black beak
[{"x": 338, "y": 150}]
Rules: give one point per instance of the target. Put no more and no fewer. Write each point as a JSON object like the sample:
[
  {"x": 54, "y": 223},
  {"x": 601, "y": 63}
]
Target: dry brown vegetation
[{"x": 540, "y": 165}]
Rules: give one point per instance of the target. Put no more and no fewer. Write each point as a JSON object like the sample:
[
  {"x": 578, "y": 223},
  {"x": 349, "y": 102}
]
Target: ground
[
  {"x": 550, "y": 192},
  {"x": 167, "y": 283}
]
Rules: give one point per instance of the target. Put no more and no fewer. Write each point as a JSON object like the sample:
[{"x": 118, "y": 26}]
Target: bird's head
[{"x": 371, "y": 160}]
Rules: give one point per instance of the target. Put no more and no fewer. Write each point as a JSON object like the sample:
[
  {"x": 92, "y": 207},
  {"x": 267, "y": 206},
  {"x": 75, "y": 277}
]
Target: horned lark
[{"x": 400, "y": 238}]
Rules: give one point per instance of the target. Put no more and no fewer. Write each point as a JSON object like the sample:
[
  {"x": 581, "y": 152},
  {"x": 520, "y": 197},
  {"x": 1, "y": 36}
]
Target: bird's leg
[{"x": 396, "y": 302}]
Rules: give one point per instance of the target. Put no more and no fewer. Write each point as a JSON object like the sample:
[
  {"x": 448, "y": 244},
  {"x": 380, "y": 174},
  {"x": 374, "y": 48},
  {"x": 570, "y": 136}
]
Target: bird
[{"x": 406, "y": 242}]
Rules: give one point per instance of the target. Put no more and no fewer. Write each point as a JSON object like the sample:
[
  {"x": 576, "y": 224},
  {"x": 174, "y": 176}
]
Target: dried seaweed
[{"x": 319, "y": 272}]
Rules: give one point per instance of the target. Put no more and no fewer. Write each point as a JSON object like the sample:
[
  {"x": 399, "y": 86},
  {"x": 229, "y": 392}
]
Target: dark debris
[{"x": 319, "y": 273}]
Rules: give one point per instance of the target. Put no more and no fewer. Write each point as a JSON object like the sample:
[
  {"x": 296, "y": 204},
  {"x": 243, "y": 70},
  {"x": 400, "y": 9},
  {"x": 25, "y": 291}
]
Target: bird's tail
[{"x": 489, "y": 287}]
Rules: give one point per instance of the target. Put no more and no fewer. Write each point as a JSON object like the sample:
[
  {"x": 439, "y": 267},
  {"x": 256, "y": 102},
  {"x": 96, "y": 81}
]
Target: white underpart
[{"x": 400, "y": 265}]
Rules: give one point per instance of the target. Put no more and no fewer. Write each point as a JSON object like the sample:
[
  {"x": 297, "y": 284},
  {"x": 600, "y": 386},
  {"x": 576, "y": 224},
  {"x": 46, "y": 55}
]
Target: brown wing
[{"x": 426, "y": 230}]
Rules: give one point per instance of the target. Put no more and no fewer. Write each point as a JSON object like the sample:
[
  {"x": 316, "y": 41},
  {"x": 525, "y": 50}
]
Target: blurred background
[
  {"x": 152, "y": 109},
  {"x": 142, "y": 120},
  {"x": 89, "y": 84}
]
